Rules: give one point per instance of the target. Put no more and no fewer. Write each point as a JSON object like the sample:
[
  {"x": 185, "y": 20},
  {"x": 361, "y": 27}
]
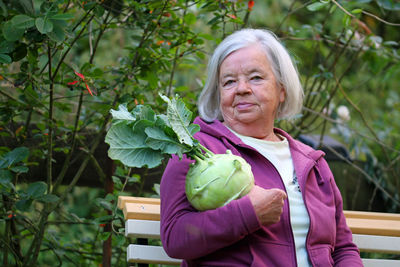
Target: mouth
[{"x": 243, "y": 105}]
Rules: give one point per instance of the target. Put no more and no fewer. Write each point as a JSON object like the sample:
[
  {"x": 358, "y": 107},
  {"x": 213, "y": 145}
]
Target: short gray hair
[{"x": 282, "y": 66}]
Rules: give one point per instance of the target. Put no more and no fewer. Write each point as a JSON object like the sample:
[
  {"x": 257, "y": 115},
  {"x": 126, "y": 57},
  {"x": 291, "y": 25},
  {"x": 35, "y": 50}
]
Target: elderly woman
[{"x": 293, "y": 215}]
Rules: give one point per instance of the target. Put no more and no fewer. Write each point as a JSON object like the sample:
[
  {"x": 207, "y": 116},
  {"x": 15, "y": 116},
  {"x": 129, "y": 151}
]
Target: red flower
[
  {"x": 90, "y": 91},
  {"x": 80, "y": 75},
  {"x": 250, "y": 5},
  {"x": 102, "y": 225},
  {"x": 73, "y": 83}
]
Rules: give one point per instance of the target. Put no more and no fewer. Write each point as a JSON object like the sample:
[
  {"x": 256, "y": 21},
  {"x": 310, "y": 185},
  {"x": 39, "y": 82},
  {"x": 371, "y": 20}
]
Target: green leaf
[
  {"x": 44, "y": 25},
  {"x": 158, "y": 140},
  {"x": 49, "y": 198},
  {"x": 23, "y": 21},
  {"x": 144, "y": 113},
  {"x": 104, "y": 204},
  {"x": 12, "y": 33},
  {"x": 20, "y": 169},
  {"x": 119, "y": 240},
  {"x": 15, "y": 156},
  {"x": 3, "y": 8},
  {"x": 357, "y": 11},
  {"x": 64, "y": 16},
  {"x": 122, "y": 114},
  {"x": 316, "y": 6},
  {"x": 389, "y": 4},
  {"x": 129, "y": 147},
  {"x": 23, "y": 204},
  {"x": 20, "y": 52},
  {"x": 193, "y": 128},
  {"x": 57, "y": 34},
  {"x": 28, "y": 6},
  {"x": 104, "y": 236},
  {"x": 104, "y": 219},
  {"x": 179, "y": 117},
  {"x": 6, "y": 47},
  {"x": 5, "y": 59},
  {"x": 36, "y": 190},
  {"x": 190, "y": 19},
  {"x": 5, "y": 177}
]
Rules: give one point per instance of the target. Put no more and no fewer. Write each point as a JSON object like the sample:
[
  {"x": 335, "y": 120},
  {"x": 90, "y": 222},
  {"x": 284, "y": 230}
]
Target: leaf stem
[{"x": 208, "y": 152}]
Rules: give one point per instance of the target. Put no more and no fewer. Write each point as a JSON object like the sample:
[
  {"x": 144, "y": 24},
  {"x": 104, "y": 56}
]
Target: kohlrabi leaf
[
  {"x": 122, "y": 114},
  {"x": 144, "y": 113},
  {"x": 158, "y": 140},
  {"x": 129, "y": 147},
  {"x": 141, "y": 138},
  {"x": 193, "y": 128},
  {"x": 179, "y": 117}
]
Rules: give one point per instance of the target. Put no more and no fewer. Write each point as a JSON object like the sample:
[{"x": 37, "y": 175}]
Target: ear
[{"x": 282, "y": 94}]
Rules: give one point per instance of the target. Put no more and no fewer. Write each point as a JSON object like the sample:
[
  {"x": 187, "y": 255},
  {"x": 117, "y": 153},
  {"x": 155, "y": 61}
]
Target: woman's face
[{"x": 249, "y": 93}]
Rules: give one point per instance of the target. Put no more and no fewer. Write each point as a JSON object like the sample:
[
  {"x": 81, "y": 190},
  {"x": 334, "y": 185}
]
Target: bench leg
[{"x": 142, "y": 241}]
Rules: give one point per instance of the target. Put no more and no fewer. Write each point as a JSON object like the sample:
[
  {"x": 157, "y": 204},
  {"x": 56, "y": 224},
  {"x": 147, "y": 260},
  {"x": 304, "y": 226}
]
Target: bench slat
[
  {"x": 371, "y": 215},
  {"x": 374, "y": 226},
  {"x": 141, "y": 200},
  {"x": 380, "y": 262},
  {"x": 373, "y": 243},
  {"x": 142, "y": 228},
  {"x": 150, "y": 254},
  {"x": 371, "y": 223},
  {"x": 142, "y": 211}
]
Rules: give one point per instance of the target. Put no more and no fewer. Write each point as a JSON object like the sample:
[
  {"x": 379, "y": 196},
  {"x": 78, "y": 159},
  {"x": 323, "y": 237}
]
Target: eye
[
  {"x": 256, "y": 78},
  {"x": 228, "y": 82}
]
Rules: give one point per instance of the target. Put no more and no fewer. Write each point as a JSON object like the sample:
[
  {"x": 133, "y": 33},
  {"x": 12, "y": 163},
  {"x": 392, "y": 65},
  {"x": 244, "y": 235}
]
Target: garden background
[{"x": 66, "y": 63}]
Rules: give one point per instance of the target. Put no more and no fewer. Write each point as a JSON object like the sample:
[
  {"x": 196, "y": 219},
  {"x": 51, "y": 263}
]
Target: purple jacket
[{"x": 232, "y": 235}]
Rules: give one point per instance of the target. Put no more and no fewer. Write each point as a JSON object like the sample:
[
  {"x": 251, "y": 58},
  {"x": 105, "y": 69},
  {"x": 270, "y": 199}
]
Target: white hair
[{"x": 282, "y": 66}]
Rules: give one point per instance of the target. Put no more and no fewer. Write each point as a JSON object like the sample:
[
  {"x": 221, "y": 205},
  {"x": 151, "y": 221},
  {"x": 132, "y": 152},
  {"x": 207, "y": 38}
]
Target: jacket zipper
[
  {"x": 307, "y": 173},
  {"x": 284, "y": 188}
]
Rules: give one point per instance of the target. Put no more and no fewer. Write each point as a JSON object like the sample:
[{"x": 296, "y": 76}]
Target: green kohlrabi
[{"x": 140, "y": 138}]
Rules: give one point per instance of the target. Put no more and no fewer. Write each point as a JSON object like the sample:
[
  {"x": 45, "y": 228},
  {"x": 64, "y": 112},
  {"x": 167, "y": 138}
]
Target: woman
[{"x": 293, "y": 216}]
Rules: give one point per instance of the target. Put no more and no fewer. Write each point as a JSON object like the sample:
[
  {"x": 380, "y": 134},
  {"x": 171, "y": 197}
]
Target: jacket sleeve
[
  {"x": 187, "y": 233},
  {"x": 345, "y": 252}
]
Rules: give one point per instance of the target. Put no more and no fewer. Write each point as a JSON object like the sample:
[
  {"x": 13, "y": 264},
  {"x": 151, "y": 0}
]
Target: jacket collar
[{"x": 304, "y": 157}]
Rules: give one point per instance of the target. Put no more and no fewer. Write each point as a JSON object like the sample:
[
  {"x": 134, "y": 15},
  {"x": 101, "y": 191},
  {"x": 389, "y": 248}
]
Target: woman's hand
[{"x": 267, "y": 203}]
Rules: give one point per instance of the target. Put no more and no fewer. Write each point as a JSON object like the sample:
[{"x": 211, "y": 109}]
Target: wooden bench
[{"x": 372, "y": 232}]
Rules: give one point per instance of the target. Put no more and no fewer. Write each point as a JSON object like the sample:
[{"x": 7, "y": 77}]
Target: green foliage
[
  {"x": 140, "y": 137},
  {"x": 65, "y": 64}
]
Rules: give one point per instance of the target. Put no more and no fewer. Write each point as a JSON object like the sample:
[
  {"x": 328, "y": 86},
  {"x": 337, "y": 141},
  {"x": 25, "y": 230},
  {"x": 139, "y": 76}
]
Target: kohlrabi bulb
[{"x": 217, "y": 180}]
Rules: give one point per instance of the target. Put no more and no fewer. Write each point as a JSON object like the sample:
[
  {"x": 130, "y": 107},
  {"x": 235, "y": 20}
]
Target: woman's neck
[{"x": 264, "y": 133}]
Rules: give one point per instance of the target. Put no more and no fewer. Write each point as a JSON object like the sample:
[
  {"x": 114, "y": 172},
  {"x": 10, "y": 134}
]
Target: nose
[{"x": 243, "y": 87}]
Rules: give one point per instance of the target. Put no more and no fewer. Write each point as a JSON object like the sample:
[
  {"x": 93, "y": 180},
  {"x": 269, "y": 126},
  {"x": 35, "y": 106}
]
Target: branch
[
  {"x": 381, "y": 20},
  {"x": 366, "y": 13}
]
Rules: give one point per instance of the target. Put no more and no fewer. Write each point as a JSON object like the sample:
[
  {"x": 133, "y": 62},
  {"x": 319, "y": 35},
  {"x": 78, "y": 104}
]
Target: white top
[{"x": 278, "y": 153}]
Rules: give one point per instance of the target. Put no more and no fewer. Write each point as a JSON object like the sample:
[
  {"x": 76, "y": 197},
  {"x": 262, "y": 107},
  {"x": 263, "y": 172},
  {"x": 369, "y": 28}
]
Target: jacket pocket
[
  {"x": 270, "y": 254},
  {"x": 321, "y": 256}
]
